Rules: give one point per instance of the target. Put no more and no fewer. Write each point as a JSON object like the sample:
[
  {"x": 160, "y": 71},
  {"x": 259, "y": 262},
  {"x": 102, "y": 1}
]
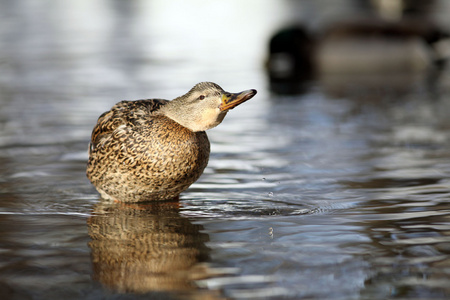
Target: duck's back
[{"x": 137, "y": 154}]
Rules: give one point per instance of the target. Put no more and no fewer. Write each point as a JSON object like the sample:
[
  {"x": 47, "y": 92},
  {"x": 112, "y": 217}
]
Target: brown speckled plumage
[{"x": 139, "y": 150}]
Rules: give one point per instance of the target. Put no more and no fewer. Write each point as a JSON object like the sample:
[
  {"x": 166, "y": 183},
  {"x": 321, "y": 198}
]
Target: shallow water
[{"x": 320, "y": 195}]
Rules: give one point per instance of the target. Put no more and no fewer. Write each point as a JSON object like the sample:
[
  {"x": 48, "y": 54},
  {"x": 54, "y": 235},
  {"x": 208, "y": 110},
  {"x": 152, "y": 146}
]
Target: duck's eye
[{"x": 201, "y": 97}]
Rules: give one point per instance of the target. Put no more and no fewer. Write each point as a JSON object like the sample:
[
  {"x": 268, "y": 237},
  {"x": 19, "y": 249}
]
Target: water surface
[{"x": 341, "y": 195}]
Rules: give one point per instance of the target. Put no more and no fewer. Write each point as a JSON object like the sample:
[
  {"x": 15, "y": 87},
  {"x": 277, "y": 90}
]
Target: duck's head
[{"x": 204, "y": 106}]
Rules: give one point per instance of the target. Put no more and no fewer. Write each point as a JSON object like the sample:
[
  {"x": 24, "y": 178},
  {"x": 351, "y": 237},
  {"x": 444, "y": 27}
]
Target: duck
[{"x": 154, "y": 149}]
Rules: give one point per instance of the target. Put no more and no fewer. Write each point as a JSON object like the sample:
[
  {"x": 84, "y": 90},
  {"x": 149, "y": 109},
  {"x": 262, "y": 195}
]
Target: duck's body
[
  {"x": 154, "y": 149},
  {"x": 138, "y": 155}
]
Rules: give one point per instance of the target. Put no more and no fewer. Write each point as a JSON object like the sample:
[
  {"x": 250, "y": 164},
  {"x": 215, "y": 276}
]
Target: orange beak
[{"x": 230, "y": 100}]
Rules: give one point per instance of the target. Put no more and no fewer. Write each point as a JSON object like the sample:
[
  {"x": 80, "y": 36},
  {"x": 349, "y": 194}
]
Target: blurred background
[{"x": 331, "y": 183}]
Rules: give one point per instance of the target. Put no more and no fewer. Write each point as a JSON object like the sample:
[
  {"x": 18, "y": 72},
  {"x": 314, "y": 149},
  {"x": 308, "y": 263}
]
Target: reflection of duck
[
  {"x": 140, "y": 249},
  {"x": 155, "y": 149}
]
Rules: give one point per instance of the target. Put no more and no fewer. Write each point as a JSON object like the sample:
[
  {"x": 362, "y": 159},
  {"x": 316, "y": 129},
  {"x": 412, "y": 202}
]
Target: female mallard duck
[{"x": 154, "y": 149}]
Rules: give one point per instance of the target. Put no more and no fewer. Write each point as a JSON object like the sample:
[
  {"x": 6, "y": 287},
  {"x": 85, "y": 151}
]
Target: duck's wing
[{"x": 128, "y": 113}]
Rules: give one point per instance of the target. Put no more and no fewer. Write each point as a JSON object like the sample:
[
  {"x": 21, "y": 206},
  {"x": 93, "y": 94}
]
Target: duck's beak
[{"x": 230, "y": 100}]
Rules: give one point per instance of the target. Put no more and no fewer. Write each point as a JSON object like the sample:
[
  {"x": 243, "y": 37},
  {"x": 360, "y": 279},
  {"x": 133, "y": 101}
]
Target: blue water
[{"x": 329, "y": 194}]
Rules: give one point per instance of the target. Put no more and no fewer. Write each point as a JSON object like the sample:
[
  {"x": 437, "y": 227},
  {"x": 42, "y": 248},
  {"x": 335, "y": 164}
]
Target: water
[{"x": 338, "y": 193}]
